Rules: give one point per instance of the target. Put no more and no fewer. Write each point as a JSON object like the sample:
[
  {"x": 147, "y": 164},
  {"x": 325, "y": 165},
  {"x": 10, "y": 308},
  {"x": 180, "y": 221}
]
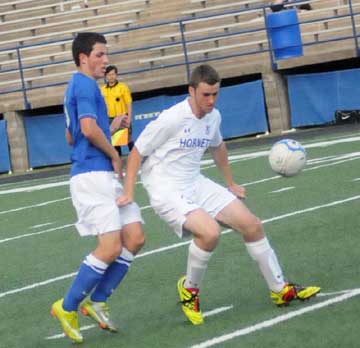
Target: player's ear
[
  {"x": 82, "y": 58},
  {"x": 191, "y": 91}
]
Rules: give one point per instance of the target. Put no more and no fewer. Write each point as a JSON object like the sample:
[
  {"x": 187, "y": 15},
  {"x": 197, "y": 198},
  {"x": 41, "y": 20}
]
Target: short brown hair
[
  {"x": 84, "y": 43},
  {"x": 204, "y": 73}
]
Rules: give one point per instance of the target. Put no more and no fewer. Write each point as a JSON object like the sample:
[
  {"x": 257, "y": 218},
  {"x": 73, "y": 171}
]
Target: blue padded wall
[
  {"x": 5, "y": 165},
  {"x": 46, "y": 140},
  {"x": 314, "y": 98},
  {"x": 242, "y": 107}
]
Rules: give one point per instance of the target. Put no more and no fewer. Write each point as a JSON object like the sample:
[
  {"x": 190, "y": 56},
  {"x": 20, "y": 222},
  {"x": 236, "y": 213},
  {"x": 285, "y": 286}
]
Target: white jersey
[{"x": 175, "y": 142}]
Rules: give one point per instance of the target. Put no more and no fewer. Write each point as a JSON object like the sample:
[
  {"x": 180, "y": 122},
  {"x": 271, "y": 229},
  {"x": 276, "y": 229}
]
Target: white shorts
[
  {"x": 94, "y": 198},
  {"x": 172, "y": 204}
]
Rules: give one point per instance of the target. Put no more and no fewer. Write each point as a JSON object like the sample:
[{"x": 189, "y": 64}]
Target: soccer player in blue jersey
[
  {"x": 95, "y": 185},
  {"x": 173, "y": 146}
]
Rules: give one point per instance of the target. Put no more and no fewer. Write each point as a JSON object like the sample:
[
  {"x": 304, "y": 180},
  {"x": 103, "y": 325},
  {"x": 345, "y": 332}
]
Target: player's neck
[
  {"x": 112, "y": 84},
  {"x": 86, "y": 72},
  {"x": 194, "y": 108}
]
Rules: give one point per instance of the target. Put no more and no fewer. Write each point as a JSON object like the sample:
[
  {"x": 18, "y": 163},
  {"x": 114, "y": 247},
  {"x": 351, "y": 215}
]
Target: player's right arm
[
  {"x": 132, "y": 168},
  {"x": 94, "y": 134}
]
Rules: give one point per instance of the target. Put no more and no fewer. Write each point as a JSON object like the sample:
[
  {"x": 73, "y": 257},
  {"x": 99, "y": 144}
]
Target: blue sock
[
  {"x": 113, "y": 276},
  {"x": 90, "y": 273}
]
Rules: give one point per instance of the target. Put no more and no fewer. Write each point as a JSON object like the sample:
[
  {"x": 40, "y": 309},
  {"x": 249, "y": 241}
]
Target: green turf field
[{"x": 312, "y": 220}]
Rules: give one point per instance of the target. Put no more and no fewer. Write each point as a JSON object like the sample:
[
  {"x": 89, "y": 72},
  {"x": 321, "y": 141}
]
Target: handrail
[{"x": 183, "y": 41}]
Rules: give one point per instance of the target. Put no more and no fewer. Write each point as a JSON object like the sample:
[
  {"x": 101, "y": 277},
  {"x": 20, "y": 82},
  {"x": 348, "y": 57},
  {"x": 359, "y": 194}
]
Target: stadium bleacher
[{"x": 146, "y": 43}]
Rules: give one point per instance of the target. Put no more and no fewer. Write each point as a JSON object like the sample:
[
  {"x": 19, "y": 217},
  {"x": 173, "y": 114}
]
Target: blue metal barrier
[{"x": 5, "y": 165}]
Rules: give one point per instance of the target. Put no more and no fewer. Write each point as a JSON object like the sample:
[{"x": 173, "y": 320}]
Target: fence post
[
  {"x": 23, "y": 87},
  {"x": 183, "y": 41},
  {"x": 353, "y": 24}
]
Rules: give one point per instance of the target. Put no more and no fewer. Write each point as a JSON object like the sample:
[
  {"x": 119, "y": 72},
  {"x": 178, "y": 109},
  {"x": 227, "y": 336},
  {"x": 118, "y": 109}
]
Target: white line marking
[
  {"x": 34, "y": 188},
  {"x": 321, "y": 294},
  {"x": 34, "y": 205},
  {"x": 174, "y": 246},
  {"x": 88, "y": 327},
  {"x": 62, "y": 335},
  {"x": 36, "y": 285},
  {"x": 283, "y": 189},
  {"x": 281, "y": 318},
  {"x": 356, "y": 179},
  {"x": 203, "y": 163},
  {"x": 217, "y": 311},
  {"x": 35, "y": 233},
  {"x": 41, "y": 225},
  {"x": 332, "y": 164}
]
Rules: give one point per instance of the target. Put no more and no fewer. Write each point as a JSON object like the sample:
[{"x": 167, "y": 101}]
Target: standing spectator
[
  {"x": 94, "y": 188},
  {"x": 118, "y": 100},
  {"x": 278, "y": 5}
]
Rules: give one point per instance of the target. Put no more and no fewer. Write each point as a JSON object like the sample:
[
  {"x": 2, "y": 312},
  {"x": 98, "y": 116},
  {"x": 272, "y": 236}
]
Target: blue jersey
[{"x": 83, "y": 99}]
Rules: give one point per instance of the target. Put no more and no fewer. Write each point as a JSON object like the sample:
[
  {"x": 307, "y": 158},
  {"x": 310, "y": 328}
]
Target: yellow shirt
[{"x": 116, "y": 98}]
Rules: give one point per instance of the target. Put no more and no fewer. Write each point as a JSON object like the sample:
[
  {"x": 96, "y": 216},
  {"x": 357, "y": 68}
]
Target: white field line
[
  {"x": 62, "y": 335},
  {"x": 274, "y": 321},
  {"x": 203, "y": 163},
  {"x": 332, "y": 164},
  {"x": 34, "y": 205},
  {"x": 88, "y": 327},
  {"x": 283, "y": 189},
  {"x": 207, "y": 313},
  {"x": 41, "y": 225},
  {"x": 35, "y": 233},
  {"x": 217, "y": 311},
  {"x": 48, "y": 230},
  {"x": 177, "y": 245},
  {"x": 35, "y": 188},
  {"x": 146, "y": 207}
]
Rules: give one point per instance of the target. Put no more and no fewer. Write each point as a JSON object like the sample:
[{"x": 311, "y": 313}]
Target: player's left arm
[
  {"x": 129, "y": 113},
  {"x": 68, "y": 136},
  {"x": 220, "y": 156}
]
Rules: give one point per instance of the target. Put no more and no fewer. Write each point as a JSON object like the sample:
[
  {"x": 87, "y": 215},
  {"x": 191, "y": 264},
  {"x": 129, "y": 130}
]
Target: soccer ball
[{"x": 287, "y": 157}]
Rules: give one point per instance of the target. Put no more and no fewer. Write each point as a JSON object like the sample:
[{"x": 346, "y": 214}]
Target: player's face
[
  {"x": 203, "y": 98},
  {"x": 111, "y": 77},
  {"x": 95, "y": 64}
]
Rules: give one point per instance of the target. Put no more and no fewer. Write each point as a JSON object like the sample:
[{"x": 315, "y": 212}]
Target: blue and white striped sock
[
  {"x": 91, "y": 271},
  {"x": 113, "y": 276}
]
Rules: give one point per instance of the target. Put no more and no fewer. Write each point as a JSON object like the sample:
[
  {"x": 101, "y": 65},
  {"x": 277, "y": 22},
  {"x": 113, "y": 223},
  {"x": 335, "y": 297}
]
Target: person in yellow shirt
[{"x": 118, "y": 101}]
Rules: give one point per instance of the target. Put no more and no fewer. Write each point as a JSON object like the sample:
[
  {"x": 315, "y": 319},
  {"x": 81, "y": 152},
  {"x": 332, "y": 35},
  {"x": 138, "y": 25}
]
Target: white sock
[
  {"x": 262, "y": 252},
  {"x": 196, "y": 266}
]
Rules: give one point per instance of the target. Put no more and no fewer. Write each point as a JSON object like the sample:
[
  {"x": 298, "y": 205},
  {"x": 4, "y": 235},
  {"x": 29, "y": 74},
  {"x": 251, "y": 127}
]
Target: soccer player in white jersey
[
  {"x": 95, "y": 185},
  {"x": 173, "y": 146}
]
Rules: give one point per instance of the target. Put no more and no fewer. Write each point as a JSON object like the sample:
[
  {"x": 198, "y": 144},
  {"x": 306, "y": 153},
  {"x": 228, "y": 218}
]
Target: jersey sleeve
[
  {"x": 217, "y": 138},
  {"x": 127, "y": 95},
  {"x": 156, "y": 133},
  {"x": 86, "y": 100}
]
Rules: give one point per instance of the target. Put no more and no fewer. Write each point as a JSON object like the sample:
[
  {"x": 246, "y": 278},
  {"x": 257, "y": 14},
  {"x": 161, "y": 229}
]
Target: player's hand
[
  {"x": 238, "y": 190},
  {"x": 124, "y": 200},
  {"x": 125, "y": 122},
  {"x": 118, "y": 122},
  {"x": 116, "y": 163}
]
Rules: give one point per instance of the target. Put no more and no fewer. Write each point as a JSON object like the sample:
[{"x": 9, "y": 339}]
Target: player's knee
[
  {"x": 114, "y": 251},
  {"x": 211, "y": 235},
  {"x": 134, "y": 241},
  {"x": 139, "y": 241},
  {"x": 253, "y": 230}
]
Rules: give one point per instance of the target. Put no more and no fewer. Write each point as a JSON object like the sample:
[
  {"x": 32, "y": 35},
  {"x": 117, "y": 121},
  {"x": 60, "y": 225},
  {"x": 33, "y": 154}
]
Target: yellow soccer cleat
[
  {"x": 68, "y": 321},
  {"x": 291, "y": 292},
  {"x": 189, "y": 299},
  {"x": 99, "y": 311}
]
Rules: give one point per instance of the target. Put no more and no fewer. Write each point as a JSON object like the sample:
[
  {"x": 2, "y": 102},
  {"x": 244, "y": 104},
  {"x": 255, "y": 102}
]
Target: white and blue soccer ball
[{"x": 287, "y": 157}]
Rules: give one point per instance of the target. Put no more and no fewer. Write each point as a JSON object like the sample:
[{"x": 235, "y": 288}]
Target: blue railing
[{"x": 183, "y": 41}]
